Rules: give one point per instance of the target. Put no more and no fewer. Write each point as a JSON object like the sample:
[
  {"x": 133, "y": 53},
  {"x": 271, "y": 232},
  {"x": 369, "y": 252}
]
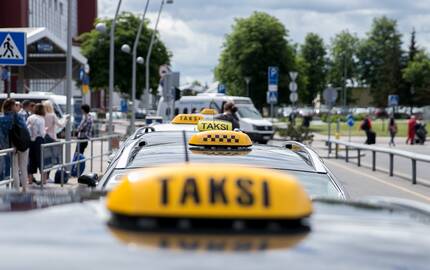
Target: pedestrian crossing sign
[{"x": 13, "y": 48}]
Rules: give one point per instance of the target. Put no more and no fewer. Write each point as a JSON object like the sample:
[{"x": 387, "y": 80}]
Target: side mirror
[
  {"x": 90, "y": 180},
  {"x": 111, "y": 157}
]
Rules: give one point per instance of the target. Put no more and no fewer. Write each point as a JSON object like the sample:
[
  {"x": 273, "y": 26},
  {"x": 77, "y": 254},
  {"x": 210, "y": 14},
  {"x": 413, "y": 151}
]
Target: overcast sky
[{"x": 194, "y": 29}]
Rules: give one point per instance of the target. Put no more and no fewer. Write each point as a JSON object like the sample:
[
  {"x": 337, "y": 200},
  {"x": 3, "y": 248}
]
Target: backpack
[
  {"x": 58, "y": 174},
  {"x": 19, "y": 136}
]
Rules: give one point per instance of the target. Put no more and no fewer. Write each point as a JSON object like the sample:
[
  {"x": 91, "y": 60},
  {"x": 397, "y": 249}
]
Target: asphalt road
[{"x": 362, "y": 182}]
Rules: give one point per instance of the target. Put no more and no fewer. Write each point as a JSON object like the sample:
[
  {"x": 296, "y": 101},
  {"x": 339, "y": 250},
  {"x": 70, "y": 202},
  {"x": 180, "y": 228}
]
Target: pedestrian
[
  {"x": 36, "y": 126},
  {"x": 366, "y": 126},
  {"x": 18, "y": 139},
  {"x": 51, "y": 125},
  {"x": 27, "y": 107},
  {"x": 229, "y": 115},
  {"x": 392, "y": 129},
  {"x": 411, "y": 130},
  {"x": 85, "y": 128}
]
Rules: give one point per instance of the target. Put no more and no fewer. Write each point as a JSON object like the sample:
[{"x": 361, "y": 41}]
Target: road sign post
[
  {"x": 13, "y": 52},
  {"x": 272, "y": 94},
  {"x": 330, "y": 97},
  {"x": 393, "y": 102}
]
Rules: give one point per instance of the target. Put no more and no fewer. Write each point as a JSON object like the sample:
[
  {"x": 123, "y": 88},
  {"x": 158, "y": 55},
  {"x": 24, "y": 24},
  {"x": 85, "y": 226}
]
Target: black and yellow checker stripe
[{"x": 221, "y": 138}]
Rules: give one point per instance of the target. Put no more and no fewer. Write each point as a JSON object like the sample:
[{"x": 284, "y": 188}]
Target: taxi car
[
  {"x": 215, "y": 216},
  {"x": 159, "y": 145}
]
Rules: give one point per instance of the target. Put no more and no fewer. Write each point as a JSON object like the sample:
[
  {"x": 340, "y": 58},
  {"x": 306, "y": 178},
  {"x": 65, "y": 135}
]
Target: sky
[{"x": 194, "y": 30}]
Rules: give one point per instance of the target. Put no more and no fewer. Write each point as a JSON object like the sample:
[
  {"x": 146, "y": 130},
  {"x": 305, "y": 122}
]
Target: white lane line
[{"x": 424, "y": 197}]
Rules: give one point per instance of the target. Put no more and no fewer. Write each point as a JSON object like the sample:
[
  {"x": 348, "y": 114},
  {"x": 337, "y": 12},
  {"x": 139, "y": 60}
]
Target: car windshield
[
  {"x": 248, "y": 112},
  {"x": 316, "y": 185}
]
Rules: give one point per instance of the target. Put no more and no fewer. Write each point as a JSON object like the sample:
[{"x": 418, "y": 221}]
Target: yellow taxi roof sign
[
  {"x": 206, "y": 125},
  {"x": 187, "y": 119},
  {"x": 220, "y": 138},
  {"x": 210, "y": 191},
  {"x": 209, "y": 111}
]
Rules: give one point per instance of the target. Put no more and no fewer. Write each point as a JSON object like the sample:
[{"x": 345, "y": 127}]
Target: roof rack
[{"x": 309, "y": 154}]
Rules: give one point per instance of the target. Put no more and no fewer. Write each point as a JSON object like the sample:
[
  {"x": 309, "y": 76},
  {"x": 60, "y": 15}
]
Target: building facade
[{"x": 52, "y": 15}]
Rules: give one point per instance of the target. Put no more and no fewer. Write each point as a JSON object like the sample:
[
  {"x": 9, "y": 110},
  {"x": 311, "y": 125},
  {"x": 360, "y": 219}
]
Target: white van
[
  {"x": 250, "y": 120},
  {"x": 58, "y": 102}
]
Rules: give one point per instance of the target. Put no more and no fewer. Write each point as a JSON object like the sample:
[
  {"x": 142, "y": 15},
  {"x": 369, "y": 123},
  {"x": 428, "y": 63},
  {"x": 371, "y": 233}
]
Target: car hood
[{"x": 76, "y": 236}]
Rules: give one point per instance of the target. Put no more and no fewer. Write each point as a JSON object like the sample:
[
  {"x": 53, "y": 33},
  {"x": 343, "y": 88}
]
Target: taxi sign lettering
[
  {"x": 206, "y": 125},
  {"x": 191, "y": 193},
  {"x": 187, "y": 119}
]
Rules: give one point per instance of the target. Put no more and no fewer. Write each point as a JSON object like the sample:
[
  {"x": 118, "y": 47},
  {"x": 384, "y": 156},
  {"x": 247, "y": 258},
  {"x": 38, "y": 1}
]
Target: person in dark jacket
[
  {"x": 20, "y": 159},
  {"x": 230, "y": 115}
]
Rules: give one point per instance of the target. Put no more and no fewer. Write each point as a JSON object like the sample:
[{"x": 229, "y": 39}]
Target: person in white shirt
[
  {"x": 51, "y": 124},
  {"x": 36, "y": 126}
]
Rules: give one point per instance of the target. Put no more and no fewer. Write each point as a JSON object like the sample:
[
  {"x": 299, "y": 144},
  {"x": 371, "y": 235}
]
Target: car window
[
  {"x": 248, "y": 112},
  {"x": 316, "y": 185}
]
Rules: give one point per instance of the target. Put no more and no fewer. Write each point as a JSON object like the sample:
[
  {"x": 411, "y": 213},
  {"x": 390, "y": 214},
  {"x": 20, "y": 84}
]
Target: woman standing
[
  {"x": 36, "y": 126},
  {"x": 51, "y": 125},
  {"x": 20, "y": 158},
  {"x": 392, "y": 129}
]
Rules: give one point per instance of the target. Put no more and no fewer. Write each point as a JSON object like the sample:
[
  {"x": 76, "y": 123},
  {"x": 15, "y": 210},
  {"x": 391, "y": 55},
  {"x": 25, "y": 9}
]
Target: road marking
[{"x": 424, "y": 197}]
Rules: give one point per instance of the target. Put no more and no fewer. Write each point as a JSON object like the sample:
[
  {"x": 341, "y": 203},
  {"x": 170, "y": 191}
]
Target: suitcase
[
  {"x": 371, "y": 137},
  {"x": 74, "y": 172}
]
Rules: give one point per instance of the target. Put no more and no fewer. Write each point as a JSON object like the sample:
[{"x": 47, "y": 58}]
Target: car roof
[{"x": 258, "y": 155}]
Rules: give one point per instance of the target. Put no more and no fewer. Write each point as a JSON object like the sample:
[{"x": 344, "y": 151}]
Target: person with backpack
[
  {"x": 36, "y": 126},
  {"x": 19, "y": 138}
]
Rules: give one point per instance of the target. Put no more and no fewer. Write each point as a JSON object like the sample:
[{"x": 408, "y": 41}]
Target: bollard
[
  {"x": 329, "y": 148},
  {"x": 373, "y": 161},
  {"x": 391, "y": 164},
  {"x": 414, "y": 172},
  {"x": 346, "y": 154},
  {"x": 101, "y": 157},
  {"x": 92, "y": 154},
  {"x": 337, "y": 151},
  {"x": 42, "y": 166},
  {"x": 359, "y": 157}
]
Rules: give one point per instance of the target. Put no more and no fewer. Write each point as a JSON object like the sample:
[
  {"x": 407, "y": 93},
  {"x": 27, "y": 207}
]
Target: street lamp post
[
  {"x": 69, "y": 78},
  {"x": 148, "y": 56},
  {"x": 133, "y": 77},
  {"x": 101, "y": 27},
  {"x": 247, "y": 80}
]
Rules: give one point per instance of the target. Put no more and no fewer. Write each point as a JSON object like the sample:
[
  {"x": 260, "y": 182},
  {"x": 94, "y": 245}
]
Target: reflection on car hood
[{"x": 342, "y": 236}]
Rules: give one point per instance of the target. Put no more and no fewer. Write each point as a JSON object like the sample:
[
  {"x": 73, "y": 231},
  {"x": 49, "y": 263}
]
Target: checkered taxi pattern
[{"x": 221, "y": 138}]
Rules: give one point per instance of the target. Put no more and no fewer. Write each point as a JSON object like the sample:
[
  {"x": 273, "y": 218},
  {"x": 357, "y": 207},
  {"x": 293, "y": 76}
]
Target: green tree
[
  {"x": 343, "y": 54},
  {"x": 95, "y": 46},
  {"x": 254, "y": 44},
  {"x": 380, "y": 58},
  {"x": 417, "y": 73},
  {"x": 313, "y": 53}
]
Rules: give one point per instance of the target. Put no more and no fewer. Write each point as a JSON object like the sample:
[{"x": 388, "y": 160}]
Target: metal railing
[
  {"x": 3, "y": 153},
  {"x": 414, "y": 157},
  {"x": 63, "y": 165}
]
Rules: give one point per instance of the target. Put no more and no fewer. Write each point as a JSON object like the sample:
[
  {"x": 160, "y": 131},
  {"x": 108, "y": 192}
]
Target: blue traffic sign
[
  {"x": 393, "y": 100},
  {"x": 272, "y": 97},
  {"x": 221, "y": 88},
  {"x": 13, "y": 48},
  {"x": 273, "y": 74}
]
